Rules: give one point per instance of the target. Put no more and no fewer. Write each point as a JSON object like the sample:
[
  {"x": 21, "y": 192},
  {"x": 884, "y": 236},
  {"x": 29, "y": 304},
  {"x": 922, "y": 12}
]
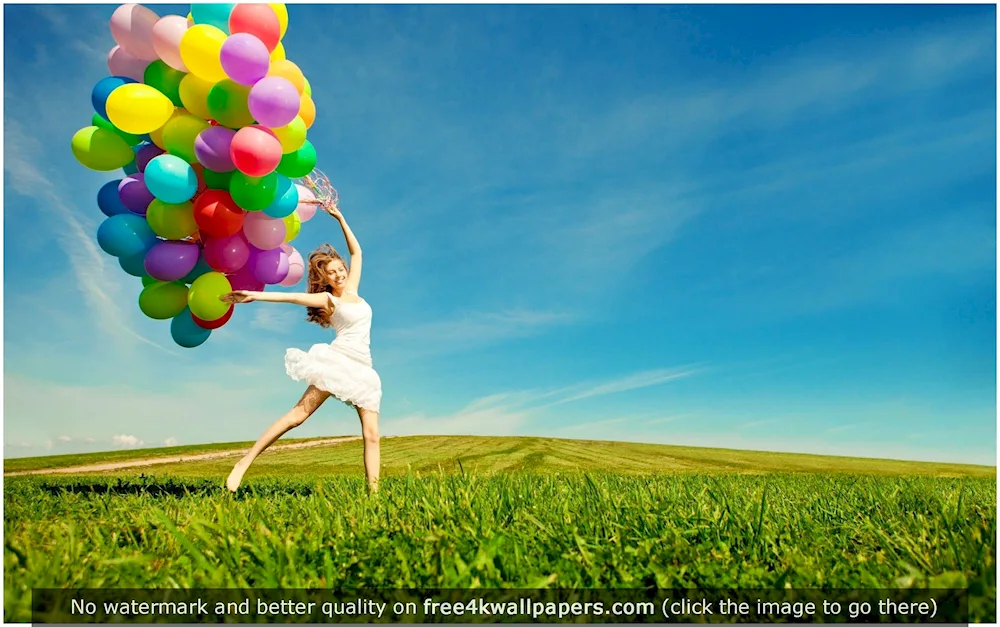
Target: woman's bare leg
[
  {"x": 370, "y": 435},
  {"x": 307, "y": 405}
]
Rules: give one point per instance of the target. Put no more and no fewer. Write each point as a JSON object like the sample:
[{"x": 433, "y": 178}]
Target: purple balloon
[
  {"x": 274, "y": 102},
  {"x": 243, "y": 279},
  {"x": 226, "y": 254},
  {"x": 146, "y": 154},
  {"x": 171, "y": 260},
  {"x": 134, "y": 194},
  {"x": 245, "y": 59},
  {"x": 268, "y": 266},
  {"x": 211, "y": 148}
]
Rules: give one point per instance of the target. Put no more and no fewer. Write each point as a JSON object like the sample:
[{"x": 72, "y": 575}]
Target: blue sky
[{"x": 755, "y": 227}]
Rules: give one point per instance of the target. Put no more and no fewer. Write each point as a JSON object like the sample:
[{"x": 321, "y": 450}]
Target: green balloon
[
  {"x": 165, "y": 79},
  {"x": 148, "y": 280},
  {"x": 100, "y": 149},
  {"x": 297, "y": 164},
  {"x": 228, "y": 102},
  {"x": 218, "y": 180},
  {"x": 173, "y": 222},
  {"x": 100, "y": 122},
  {"x": 251, "y": 193},
  {"x": 203, "y": 297},
  {"x": 161, "y": 300}
]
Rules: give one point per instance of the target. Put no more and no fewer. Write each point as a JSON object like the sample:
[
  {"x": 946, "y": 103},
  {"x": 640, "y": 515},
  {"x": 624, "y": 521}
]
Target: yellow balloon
[
  {"x": 282, "y": 12},
  {"x": 292, "y": 137},
  {"x": 179, "y": 135},
  {"x": 278, "y": 54},
  {"x": 293, "y": 224},
  {"x": 101, "y": 149},
  {"x": 157, "y": 136},
  {"x": 308, "y": 90},
  {"x": 201, "y": 48},
  {"x": 138, "y": 108},
  {"x": 194, "y": 95}
]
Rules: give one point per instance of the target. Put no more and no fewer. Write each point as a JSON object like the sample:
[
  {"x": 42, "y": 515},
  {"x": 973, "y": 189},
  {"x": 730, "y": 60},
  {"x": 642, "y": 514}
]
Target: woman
[{"x": 342, "y": 368}]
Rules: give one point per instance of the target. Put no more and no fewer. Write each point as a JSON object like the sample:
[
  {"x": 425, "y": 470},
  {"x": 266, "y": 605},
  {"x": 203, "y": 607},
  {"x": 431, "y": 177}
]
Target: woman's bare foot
[{"x": 236, "y": 476}]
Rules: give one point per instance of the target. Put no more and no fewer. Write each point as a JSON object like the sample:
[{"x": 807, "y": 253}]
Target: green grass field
[{"x": 462, "y": 512}]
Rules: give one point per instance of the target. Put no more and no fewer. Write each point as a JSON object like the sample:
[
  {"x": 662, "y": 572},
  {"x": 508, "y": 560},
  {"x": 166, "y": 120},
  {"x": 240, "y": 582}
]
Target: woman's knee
[{"x": 369, "y": 427}]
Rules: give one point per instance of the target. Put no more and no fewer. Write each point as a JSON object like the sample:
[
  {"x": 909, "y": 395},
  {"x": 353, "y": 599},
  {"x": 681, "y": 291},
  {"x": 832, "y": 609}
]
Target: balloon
[
  {"x": 156, "y": 137},
  {"x": 103, "y": 88},
  {"x": 200, "y": 268},
  {"x": 203, "y": 298},
  {"x": 132, "y": 29},
  {"x": 214, "y": 324},
  {"x": 200, "y": 48},
  {"x": 307, "y": 110},
  {"x": 134, "y": 194},
  {"x": 289, "y": 71},
  {"x": 269, "y": 266},
  {"x": 307, "y": 90},
  {"x": 297, "y": 164},
  {"x": 278, "y": 54},
  {"x": 243, "y": 279},
  {"x": 137, "y": 108},
  {"x": 163, "y": 299},
  {"x": 146, "y": 154},
  {"x": 166, "y": 80},
  {"x": 108, "y": 201},
  {"x": 264, "y": 232},
  {"x": 245, "y": 58},
  {"x": 286, "y": 199},
  {"x": 100, "y": 149},
  {"x": 171, "y": 261},
  {"x": 227, "y": 254},
  {"x": 227, "y": 104},
  {"x": 171, "y": 179},
  {"x": 218, "y": 180},
  {"x": 193, "y": 93},
  {"x": 292, "y": 136},
  {"x": 130, "y": 169},
  {"x": 293, "y": 225},
  {"x": 258, "y": 20},
  {"x": 125, "y": 235},
  {"x": 171, "y": 222},
  {"x": 123, "y": 64},
  {"x": 274, "y": 102},
  {"x": 185, "y": 332},
  {"x": 212, "y": 148},
  {"x": 130, "y": 139},
  {"x": 180, "y": 135},
  {"x": 253, "y": 194},
  {"x": 216, "y": 15},
  {"x": 255, "y": 151},
  {"x": 217, "y": 215},
  {"x": 167, "y": 35},
  {"x": 296, "y": 266},
  {"x": 282, "y": 13},
  {"x": 135, "y": 265},
  {"x": 307, "y": 206}
]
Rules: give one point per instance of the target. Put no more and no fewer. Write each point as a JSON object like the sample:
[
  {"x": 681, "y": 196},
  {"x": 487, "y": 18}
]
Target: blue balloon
[
  {"x": 286, "y": 199},
  {"x": 125, "y": 235},
  {"x": 103, "y": 89},
  {"x": 131, "y": 169},
  {"x": 108, "y": 199},
  {"x": 200, "y": 268},
  {"x": 215, "y": 14},
  {"x": 134, "y": 264},
  {"x": 171, "y": 179},
  {"x": 185, "y": 332}
]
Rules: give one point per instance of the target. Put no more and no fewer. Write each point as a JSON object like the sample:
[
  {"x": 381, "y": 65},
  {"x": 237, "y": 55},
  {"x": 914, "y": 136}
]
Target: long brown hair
[{"x": 318, "y": 282}]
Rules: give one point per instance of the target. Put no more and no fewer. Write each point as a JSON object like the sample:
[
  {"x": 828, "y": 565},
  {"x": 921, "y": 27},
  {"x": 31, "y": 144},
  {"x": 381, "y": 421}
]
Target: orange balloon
[
  {"x": 288, "y": 70},
  {"x": 307, "y": 110}
]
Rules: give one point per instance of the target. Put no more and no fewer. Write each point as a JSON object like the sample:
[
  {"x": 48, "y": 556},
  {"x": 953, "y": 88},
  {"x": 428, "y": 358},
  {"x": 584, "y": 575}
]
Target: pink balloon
[
  {"x": 167, "y": 35},
  {"x": 226, "y": 254},
  {"x": 243, "y": 279},
  {"x": 132, "y": 27},
  {"x": 263, "y": 231},
  {"x": 296, "y": 266},
  {"x": 121, "y": 63},
  {"x": 305, "y": 210}
]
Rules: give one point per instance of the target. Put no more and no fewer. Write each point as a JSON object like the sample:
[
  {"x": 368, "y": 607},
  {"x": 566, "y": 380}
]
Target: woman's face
[{"x": 336, "y": 274}]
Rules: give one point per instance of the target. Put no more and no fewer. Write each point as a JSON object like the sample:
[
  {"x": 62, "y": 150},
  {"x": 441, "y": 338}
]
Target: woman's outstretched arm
[{"x": 320, "y": 300}]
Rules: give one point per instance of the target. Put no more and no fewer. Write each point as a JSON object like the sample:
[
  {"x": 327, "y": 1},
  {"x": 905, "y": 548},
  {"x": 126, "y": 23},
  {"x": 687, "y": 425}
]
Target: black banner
[{"x": 498, "y": 606}]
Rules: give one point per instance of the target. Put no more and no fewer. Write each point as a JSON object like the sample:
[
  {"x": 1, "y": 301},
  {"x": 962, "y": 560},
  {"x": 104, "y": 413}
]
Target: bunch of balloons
[{"x": 208, "y": 121}]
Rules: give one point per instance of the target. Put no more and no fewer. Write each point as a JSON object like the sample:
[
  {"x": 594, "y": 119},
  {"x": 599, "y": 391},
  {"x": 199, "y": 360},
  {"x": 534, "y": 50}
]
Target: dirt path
[{"x": 134, "y": 463}]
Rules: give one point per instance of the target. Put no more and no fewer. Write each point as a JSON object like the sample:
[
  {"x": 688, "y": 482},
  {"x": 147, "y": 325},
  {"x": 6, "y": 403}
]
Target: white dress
[{"x": 344, "y": 366}]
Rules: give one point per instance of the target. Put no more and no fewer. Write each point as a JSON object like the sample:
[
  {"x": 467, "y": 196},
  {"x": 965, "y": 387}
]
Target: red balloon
[
  {"x": 217, "y": 214},
  {"x": 199, "y": 172},
  {"x": 258, "y": 20},
  {"x": 255, "y": 151},
  {"x": 214, "y": 324}
]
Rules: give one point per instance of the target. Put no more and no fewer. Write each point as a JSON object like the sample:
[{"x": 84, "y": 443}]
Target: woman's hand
[
  {"x": 239, "y": 296},
  {"x": 334, "y": 211}
]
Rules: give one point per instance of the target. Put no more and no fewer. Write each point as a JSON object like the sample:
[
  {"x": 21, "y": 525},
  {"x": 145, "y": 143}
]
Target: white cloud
[
  {"x": 126, "y": 441},
  {"x": 170, "y": 442},
  {"x": 65, "y": 438}
]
